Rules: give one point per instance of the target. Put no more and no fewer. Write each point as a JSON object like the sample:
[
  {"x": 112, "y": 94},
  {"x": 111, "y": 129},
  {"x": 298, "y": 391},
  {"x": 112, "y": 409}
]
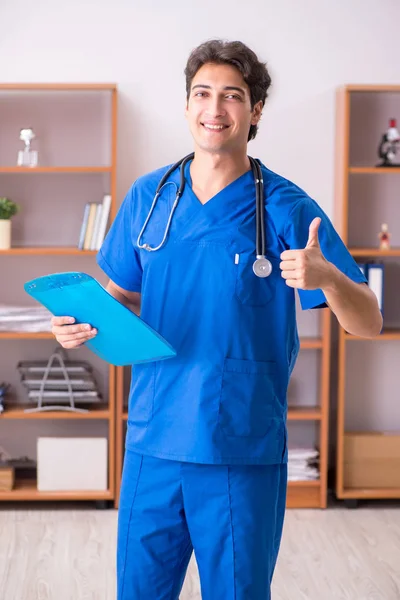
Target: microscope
[{"x": 390, "y": 142}]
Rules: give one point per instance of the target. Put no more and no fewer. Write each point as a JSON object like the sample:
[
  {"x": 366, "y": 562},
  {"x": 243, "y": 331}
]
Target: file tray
[{"x": 122, "y": 338}]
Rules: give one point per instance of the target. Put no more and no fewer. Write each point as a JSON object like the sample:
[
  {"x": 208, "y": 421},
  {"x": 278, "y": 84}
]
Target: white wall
[{"x": 311, "y": 46}]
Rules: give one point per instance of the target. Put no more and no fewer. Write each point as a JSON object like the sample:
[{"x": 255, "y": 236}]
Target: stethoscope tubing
[{"x": 262, "y": 266}]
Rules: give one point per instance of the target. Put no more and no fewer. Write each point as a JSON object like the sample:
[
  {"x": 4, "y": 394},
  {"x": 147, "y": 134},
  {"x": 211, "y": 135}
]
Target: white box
[{"x": 65, "y": 464}]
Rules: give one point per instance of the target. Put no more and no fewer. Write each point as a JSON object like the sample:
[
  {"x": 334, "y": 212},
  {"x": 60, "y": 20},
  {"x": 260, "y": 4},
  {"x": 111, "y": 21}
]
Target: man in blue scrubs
[{"x": 206, "y": 447}]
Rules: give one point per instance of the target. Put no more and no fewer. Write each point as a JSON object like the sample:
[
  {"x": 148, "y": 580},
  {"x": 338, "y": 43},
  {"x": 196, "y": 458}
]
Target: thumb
[{"x": 313, "y": 240}]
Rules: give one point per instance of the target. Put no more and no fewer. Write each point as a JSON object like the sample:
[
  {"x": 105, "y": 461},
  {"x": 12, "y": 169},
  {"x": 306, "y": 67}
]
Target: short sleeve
[
  {"x": 332, "y": 247},
  {"x": 118, "y": 256}
]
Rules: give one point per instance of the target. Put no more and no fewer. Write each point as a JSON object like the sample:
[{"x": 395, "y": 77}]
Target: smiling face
[{"x": 219, "y": 109}]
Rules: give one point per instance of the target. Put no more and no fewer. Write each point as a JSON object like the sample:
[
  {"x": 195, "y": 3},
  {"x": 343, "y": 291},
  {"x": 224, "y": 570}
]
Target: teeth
[{"x": 214, "y": 126}]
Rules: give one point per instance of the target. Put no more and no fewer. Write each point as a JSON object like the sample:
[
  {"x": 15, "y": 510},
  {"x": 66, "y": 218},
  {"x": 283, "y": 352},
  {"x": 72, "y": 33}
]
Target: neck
[{"x": 212, "y": 172}]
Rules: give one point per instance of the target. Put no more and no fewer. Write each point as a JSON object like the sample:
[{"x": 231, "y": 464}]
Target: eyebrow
[{"x": 226, "y": 88}]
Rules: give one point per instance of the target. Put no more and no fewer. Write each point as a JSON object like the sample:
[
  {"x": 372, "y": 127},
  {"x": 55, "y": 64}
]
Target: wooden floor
[{"x": 337, "y": 554}]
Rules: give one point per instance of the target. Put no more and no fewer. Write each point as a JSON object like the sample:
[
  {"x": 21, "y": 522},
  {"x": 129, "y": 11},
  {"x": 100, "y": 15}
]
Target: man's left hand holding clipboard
[{"x": 72, "y": 335}]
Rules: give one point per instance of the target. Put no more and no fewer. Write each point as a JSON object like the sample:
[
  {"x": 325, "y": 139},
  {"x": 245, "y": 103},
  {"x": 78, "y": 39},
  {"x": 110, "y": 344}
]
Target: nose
[{"x": 215, "y": 107}]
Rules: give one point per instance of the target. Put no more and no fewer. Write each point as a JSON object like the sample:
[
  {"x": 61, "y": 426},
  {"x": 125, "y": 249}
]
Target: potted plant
[{"x": 8, "y": 209}]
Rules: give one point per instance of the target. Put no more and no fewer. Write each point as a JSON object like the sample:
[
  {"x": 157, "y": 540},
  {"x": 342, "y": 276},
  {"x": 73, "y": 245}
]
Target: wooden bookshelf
[
  {"x": 304, "y": 494},
  {"x": 374, "y": 252},
  {"x": 67, "y": 168},
  {"x": 373, "y": 170},
  {"x": 304, "y": 414},
  {"x": 361, "y": 116},
  {"x": 47, "y": 250},
  {"x": 42, "y": 170},
  {"x": 300, "y": 494},
  {"x": 386, "y": 334},
  {"x": 96, "y": 411},
  {"x": 26, "y": 490},
  {"x": 24, "y": 335},
  {"x": 59, "y": 86}
]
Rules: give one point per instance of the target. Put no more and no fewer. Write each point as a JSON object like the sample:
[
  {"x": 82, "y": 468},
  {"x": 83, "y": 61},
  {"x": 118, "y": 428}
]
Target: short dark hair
[{"x": 238, "y": 55}]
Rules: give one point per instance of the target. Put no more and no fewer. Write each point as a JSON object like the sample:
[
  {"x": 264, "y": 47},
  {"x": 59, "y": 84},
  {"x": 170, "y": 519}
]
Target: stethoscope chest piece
[{"x": 262, "y": 267}]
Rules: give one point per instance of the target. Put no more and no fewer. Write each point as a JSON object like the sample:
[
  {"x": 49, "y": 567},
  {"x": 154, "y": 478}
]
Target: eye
[
  {"x": 234, "y": 96},
  {"x": 200, "y": 94}
]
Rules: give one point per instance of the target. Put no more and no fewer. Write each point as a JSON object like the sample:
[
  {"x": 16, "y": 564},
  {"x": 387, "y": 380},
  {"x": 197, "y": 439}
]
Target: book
[
  {"x": 97, "y": 221},
  {"x": 105, "y": 213},
  {"x": 84, "y": 226},
  {"x": 90, "y": 225}
]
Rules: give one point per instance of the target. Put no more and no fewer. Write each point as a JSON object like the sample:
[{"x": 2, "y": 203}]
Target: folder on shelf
[
  {"x": 375, "y": 276},
  {"x": 122, "y": 338}
]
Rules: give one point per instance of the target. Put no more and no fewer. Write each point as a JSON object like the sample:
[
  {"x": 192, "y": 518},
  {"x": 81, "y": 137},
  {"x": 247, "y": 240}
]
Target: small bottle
[
  {"x": 384, "y": 237},
  {"x": 27, "y": 157}
]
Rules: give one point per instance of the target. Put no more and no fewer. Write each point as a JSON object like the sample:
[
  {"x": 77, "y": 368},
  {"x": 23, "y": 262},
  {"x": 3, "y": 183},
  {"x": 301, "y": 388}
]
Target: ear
[
  {"x": 256, "y": 113},
  {"x": 186, "y": 107}
]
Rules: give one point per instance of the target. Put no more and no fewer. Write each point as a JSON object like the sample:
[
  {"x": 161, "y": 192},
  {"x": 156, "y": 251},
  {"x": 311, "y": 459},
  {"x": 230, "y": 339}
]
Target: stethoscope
[{"x": 262, "y": 267}]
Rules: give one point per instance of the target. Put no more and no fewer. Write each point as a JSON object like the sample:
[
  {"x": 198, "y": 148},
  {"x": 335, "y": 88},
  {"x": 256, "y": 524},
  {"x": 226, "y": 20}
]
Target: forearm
[
  {"x": 354, "y": 305},
  {"x": 132, "y": 303}
]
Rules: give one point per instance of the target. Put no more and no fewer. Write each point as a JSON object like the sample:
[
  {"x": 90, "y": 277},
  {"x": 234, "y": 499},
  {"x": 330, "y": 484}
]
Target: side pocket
[
  {"x": 141, "y": 398},
  {"x": 248, "y": 399}
]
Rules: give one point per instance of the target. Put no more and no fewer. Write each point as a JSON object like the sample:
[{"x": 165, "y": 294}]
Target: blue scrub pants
[{"x": 232, "y": 516}]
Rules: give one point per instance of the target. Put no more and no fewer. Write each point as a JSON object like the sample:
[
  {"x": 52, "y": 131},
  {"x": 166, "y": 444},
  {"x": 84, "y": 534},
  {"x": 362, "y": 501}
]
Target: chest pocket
[{"x": 252, "y": 290}]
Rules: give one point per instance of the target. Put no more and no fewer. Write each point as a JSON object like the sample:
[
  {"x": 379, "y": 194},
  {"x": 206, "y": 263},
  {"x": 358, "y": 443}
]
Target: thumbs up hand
[
  {"x": 306, "y": 269},
  {"x": 313, "y": 241}
]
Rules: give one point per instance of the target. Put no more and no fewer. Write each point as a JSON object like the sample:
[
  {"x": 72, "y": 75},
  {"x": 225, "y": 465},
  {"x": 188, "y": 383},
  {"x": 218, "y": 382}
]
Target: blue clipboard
[{"x": 122, "y": 338}]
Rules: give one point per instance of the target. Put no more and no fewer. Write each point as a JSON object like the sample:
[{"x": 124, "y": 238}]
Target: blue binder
[{"x": 122, "y": 338}]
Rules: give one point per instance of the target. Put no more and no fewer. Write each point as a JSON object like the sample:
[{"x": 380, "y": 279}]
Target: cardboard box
[
  {"x": 68, "y": 464},
  {"x": 371, "y": 460},
  {"x": 6, "y": 478}
]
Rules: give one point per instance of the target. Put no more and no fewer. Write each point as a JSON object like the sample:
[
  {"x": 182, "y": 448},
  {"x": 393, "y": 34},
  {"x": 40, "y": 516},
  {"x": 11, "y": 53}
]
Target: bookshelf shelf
[
  {"x": 47, "y": 250},
  {"x": 311, "y": 343},
  {"x": 76, "y": 124},
  {"x": 374, "y": 252},
  {"x": 373, "y": 170},
  {"x": 315, "y": 483},
  {"x": 26, "y": 489},
  {"x": 16, "y": 335},
  {"x": 371, "y": 493},
  {"x": 302, "y": 413},
  {"x": 41, "y": 170},
  {"x": 68, "y": 87},
  {"x": 100, "y": 411},
  {"x": 387, "y": 334}
]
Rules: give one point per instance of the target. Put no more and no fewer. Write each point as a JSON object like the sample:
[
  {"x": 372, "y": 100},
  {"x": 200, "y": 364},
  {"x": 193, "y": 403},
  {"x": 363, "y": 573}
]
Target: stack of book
[
  {"x": 303, "y": 464},
  {"x": 94, "y": 224}
]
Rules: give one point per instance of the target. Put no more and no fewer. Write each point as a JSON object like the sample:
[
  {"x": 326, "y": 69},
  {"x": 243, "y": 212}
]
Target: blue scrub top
[{"x": 222, "y": 399}]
